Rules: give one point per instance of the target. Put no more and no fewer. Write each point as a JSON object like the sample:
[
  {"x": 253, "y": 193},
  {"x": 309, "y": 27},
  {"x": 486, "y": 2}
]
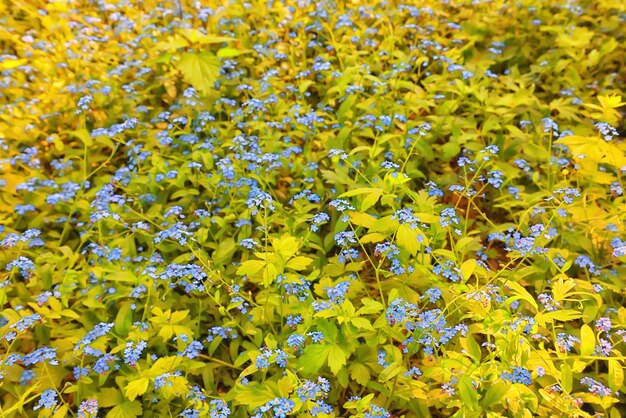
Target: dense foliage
[{"x": 281, "y": 208}]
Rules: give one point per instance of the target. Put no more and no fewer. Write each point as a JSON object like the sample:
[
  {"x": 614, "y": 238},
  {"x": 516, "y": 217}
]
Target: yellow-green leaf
[
  {"x": 467, "y": 392},
  {"x": 406, "y": 238},
  {"x": 299, "y": 263},
  {"x": 250, "y": 267},
  {"x": 616, "y": 375},
  {"x": 196, "y": 37},
  {"x": 136, "y": 388},
  {"x": 231, "y": 52},
  {"x": 467, "y": 268},
  {"x": 126, "y": 409},
  {"x": 521, "y": 293},
  {"x": 336, "y": 359},
  {"x": 587, "y": 340},
  {"x": 566, "y": 377},
  {"x": 360, "y": 373},
  {"x": 199, "y": 69}
]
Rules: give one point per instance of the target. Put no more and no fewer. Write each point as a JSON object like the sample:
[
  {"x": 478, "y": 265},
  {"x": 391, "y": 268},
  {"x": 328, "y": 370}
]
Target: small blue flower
[{"x": 47, "y": 400}]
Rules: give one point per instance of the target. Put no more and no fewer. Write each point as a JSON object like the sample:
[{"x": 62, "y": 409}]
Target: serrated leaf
[
  {"x": 136, "y": 388},
  {"x": 362, "y": 219},
  {"x": 336, "y": 359},
  {"x": 299, "y": 263},
  {"x": 314, "y": 358},
  {"x": 360, "y": 374},
  {"x": 126, "y": 409},
  {"x": 199, "y": 69},
  {"x": 370, "y": 306},
  {"x": 250, "y": 267},
  {"x": 162, "y": 365},
  {"x": 254, "y": 396},
  {"x": 362, "y": 323},
  {"x": 108, "y": 397},
  {"x": 286, "y": 246}
]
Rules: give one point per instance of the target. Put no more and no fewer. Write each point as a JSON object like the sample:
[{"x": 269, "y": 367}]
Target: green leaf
[
  {"x": 250, "y": 267},
  {"x": 616, "y": 375},
  {"x": 370, "y": 306},
  {"x": 560, "y": 288},
  {"x": 336, "y": 359},
  {"x": 199, "y": 69},
  {"x": 329, "y": 330},
  {"x": 567, "y": 378},
  {"x": 83, "y": 135},
  {"x": 362, "y": 323},
  {"x": 286, "y": 246},
  {"x": 467, "y": 392},
  {"x": 162, "y": 365},
  {"x": 361, "y": 190},
  {"x": 172, "y": 44},
  {"x": 314, "y": 358},
  {"x": 390, "y": 372},
  {"x": 495, "y": 394},
  {"x": 124, "y": 319},
  {"x": 224, "y": 251},
  {"x": 126, "y": 409},
  {"x": 254, "y": 396},
  {"x": 108, "y": 397},
  {"x": 360, "y": 373},
  {"x": 473, "y": 349},
  {"x": 587, "y": 340}
]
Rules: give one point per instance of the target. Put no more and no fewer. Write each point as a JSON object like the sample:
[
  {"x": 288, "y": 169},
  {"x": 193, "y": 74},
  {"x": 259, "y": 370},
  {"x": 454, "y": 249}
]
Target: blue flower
[
  {"x": 295, "y": 340},
  {"x": 47, "y": 400},
  {"x": 518, "y": 375},
  {"x": 281, "y": 407},
  {"x": 88, "y": 408},
  {"x": 133, "y": 351},
  {"x": 337, "y": 293},
  {"x": 218, "y": 409},
  {"x": 448, "y": 216},
  {"x": 595, "y": 387},
  {"x": 345, "y": 238}
]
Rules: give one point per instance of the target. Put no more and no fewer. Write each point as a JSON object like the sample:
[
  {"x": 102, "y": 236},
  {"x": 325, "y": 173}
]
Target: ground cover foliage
[{"x": 300, "y": 208}]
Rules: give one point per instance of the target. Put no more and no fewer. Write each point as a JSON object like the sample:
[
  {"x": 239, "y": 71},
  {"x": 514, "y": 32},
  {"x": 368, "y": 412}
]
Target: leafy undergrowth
[{"x": 312, "y": 208}]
